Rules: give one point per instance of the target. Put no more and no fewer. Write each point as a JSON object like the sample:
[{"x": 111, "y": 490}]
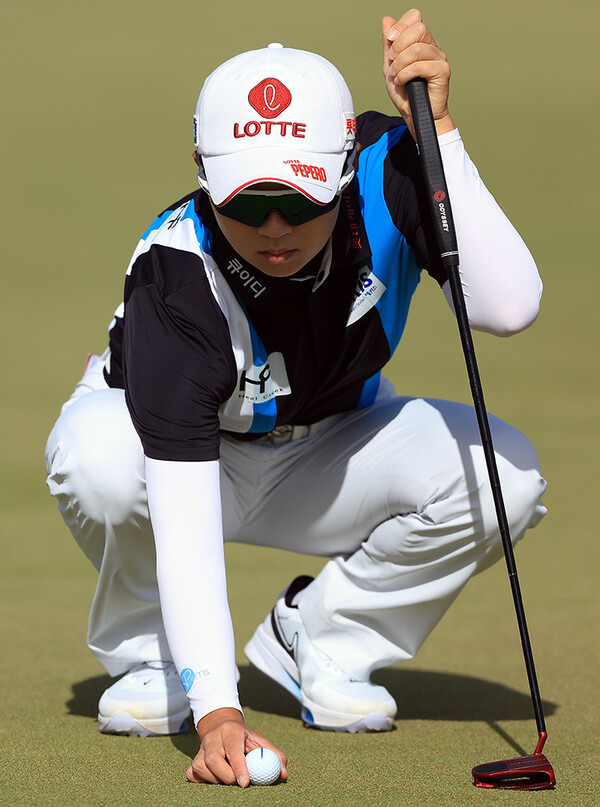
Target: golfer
[{"x": 241, "y": 399}]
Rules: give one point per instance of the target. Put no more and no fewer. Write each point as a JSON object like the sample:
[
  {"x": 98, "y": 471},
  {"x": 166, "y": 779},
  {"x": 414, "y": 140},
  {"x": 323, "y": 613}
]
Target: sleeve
[
  {"x": 499, "y": 277},
  {"x": 185, "y": 509},
  {"x": 178, "y": 365}
]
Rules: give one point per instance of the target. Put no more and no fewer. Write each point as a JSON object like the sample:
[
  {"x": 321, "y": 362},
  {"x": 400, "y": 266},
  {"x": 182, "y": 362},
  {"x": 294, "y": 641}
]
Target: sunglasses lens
[{"x": 253, "y": 208}]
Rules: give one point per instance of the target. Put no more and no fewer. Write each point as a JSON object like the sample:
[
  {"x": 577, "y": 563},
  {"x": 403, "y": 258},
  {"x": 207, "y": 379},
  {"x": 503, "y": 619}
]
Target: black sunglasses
[{"x": 253, "y": 207}]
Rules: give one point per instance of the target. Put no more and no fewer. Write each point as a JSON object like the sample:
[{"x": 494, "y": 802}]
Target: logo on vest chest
[
  {"x": 369, "y": 289},
  {"x": 261, "y": 383}
]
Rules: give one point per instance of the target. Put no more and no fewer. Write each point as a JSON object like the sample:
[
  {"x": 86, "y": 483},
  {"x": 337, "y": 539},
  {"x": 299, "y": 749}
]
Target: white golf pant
[{"x": 397, "y": 495}]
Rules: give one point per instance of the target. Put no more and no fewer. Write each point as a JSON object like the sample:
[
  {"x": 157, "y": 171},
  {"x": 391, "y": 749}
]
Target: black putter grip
[{"x": 433, "y": 170}]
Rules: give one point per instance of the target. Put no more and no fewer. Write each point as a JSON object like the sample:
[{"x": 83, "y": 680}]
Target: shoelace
[{"x": 166, "y": 667}]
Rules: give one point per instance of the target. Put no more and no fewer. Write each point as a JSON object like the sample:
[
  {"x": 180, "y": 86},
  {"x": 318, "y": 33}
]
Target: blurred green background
[{"x": 96, "y": 139}]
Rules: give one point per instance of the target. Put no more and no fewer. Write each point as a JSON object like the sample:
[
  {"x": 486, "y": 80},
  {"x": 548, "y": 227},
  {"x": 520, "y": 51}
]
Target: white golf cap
[{"x": 275, "y": 115}]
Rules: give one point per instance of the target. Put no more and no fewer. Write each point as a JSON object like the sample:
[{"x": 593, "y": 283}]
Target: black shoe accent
[
  {"x": 279, "y": 637},
  {"x": 295, "y": 586}
]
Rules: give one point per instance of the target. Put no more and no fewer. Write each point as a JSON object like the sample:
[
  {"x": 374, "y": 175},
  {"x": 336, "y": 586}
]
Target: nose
[{"x": 275, "y": 225}]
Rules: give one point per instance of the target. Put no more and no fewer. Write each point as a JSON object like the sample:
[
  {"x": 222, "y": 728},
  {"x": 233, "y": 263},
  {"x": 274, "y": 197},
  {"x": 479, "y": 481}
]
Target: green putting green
[{"x": 97, "y": 138}]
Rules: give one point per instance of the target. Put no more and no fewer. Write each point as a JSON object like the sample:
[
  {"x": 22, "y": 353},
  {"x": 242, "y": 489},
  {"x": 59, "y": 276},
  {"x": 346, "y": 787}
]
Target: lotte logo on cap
[{"x": 270, "y": 98}]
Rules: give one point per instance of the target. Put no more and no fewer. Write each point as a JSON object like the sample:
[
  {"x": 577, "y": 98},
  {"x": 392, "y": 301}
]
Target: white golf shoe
[
  {"x": 149, "y": 700},
  {"x": 331, "y": 699}
]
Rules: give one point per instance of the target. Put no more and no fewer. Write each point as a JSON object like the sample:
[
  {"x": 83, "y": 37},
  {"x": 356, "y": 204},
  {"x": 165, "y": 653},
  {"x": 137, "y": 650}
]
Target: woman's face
[{"x": 276, "y": 247}]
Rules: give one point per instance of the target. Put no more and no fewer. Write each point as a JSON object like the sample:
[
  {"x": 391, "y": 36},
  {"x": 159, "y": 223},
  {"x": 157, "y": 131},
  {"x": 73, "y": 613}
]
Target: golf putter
[{"x": 532, "y": 772}]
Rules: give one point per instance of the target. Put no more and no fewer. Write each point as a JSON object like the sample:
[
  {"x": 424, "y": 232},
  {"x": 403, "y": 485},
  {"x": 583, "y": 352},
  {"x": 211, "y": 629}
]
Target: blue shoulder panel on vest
[
  {"x": 393, "y": 261},
  {"x": 156, "y": 224},
  {"x": 203, "y": 234}
]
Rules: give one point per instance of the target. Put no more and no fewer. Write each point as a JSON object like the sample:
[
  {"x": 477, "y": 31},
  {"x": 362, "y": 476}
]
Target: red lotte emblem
[{"x": 270, "y": 98}]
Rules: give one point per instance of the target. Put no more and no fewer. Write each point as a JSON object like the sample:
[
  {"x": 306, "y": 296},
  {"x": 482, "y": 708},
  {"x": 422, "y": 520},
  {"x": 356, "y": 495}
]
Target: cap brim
[{"x": 317, "y": 176}]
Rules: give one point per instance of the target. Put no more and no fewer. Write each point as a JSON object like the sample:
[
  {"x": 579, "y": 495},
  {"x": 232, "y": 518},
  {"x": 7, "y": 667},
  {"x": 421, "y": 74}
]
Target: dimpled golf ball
[{"x": 264, "y": 766}]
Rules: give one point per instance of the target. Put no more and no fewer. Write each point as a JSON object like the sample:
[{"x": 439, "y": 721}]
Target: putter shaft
[{"x": 535, "y": 771}]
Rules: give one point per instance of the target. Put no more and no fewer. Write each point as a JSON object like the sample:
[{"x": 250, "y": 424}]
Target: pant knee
[
  {"x": 95, "y": 459},
  {"x": 522, "y": 484},
  {"x": 458, "y": 522}
]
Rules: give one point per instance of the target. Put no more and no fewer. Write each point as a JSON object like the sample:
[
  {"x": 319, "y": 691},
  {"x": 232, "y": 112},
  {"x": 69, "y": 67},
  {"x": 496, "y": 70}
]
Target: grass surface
[{"x": 96, "y": 139}]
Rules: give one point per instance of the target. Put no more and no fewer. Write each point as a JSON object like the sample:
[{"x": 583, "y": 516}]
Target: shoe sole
[
  {"x": 125, "y": 724},
  {"x": 266, "y": 654}
]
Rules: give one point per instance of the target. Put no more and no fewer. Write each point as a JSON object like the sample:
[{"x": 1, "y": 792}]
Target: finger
[
  {"x": 436, "y": 73},
  {"x": 391, "y": 30},
  {"x": 386, "y": 25},
  {"x": 219, "y": 767},
  {"x": 409, "y": 18},
  {"x": 417, "y": 33},
  {"x": 199, "y": 773},
  {"x": 419, "y": 52},
  {"x": 237, "y": 761},
  {"x": 210, "y": 765}
]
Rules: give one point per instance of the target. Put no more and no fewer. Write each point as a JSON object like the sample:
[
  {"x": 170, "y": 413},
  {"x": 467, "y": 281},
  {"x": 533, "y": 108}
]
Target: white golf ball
[{"x": 264, "y": 766}]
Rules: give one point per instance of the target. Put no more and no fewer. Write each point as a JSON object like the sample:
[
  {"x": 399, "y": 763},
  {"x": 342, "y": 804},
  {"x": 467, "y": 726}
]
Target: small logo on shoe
[{"x": 290, "y": 648}]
